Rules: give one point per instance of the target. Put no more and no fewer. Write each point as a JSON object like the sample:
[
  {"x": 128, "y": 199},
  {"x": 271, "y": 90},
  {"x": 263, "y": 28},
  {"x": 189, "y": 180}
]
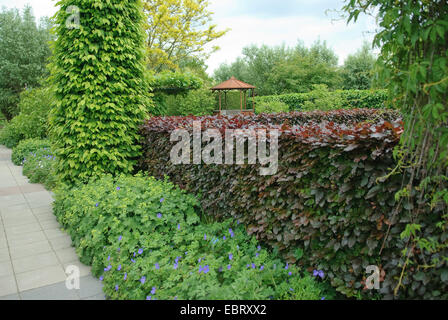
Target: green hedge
[
  {"x": 347, "y": 99},
  {"x": 102, "y": 95},
  {"x": 325, "y": 207},
  {"x": 145, "y": 240}
]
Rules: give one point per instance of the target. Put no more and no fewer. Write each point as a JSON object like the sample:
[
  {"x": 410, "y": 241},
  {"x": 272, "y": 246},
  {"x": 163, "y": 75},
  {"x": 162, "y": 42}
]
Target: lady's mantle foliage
[{"x": 98, "y": 71}]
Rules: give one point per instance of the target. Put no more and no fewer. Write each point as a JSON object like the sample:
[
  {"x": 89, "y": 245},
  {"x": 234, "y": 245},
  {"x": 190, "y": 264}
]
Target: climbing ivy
[
  {"x": 101, "y": 91},
  {"x": 413, "y": 66}
]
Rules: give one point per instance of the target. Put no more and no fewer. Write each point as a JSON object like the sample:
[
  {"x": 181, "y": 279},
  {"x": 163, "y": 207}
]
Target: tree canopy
[
  {"x": 177, "y": 30},
  {"x": 24, "y": 50},
  {"x": 281, "y": 69},
  {"x": 358, "y": 68}
]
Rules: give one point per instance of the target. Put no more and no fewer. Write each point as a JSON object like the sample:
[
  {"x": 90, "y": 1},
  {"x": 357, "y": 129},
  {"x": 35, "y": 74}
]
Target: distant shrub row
[{"x": 322, "y": 99}]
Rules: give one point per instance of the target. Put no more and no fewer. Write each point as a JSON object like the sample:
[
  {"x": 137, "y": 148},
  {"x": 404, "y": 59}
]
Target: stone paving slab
[{"x": 34, "y": 250}]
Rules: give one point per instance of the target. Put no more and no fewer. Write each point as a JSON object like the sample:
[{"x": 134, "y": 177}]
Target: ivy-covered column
[{"x": 98, "y": 70}]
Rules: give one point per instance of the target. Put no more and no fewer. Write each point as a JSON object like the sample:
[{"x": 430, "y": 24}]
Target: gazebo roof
[{"x": 233, "y": 84}]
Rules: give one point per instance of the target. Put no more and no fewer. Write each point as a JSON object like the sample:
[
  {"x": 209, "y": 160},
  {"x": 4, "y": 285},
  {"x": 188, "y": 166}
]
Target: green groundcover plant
[
  {"x": 145, "y": 240},
  {"x": 25, "y": 147},
  {"x": 39, "y": 165}
]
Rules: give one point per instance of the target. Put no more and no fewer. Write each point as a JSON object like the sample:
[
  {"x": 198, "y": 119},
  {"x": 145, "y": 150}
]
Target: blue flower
[
  {"x": 259, "y": 248},
  {"x": 119, "y": 267},
  {"x": 161, "y": 200},
  {"x": 257, "y": 254},
  {"x": 224, "y": 238},
  {"x": 148, "y": 298},
  {"x": 116, "y": 287},
  {"x": 231, "y": 233},
  {"x": 262, "y": 268},
  {"x": 159, "y": 215},
  {"x": 97, "y": 204},
  {"x": 142, "y": 280},
  {"x": 118, "y": 188},
  {"x": 230, "y": 256},
  {"x": 140, "y": 251},
  {"x": 178, "y": 226},
  {"x": 125, "y": 276},
  {"x": 229, "y": 267},
  {"x": 133, "y": 261},
  {"x": 119, "y": 238},
  {"x": 205, "y": 237},
  {"x": 287, "y": 266},
  {"x": 253, "y": 266},
  {"x": 318, "y": 273},
  {"x": 290, "y": 273},
  {"x": 175, "y": 266},
  {"x": 101, "y": 278},
  {"x": 291, "y": 289},
  {"x": 323, "y": 298},
  {"x": 157, "y": 266},
  {"x": 108, "y": 258},
  {"x": 153, "y": 290}
]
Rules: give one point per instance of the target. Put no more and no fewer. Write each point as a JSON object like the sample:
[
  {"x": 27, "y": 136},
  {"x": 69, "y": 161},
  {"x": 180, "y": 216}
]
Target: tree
[
  {"x": 177, "y": 29},
  {"x": 306, "y": 68},
  {"x": 24, "y": 51},
  {"x": 101, "y": 90},
  {"x": 280, "y": 69},
  {"x": 255, "y": 66},
  {"x": 357, "y": 71}
]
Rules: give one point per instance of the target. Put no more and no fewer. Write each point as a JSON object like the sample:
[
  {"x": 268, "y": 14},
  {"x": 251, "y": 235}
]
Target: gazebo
[{"x": 235, "y": 84}]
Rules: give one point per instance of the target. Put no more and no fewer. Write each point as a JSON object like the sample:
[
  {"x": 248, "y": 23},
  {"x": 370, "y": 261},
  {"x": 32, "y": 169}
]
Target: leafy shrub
[
  {"x": 173, "y": 82},
  {"x": 322, "y": 99},
  {"x": 328, "y": 207},
  {"x": 195, "y": 102},
  {"x": 11, "y": 135},
  {"x": 39, "y": 166},
  {"x": 271, "y": 107},
  {"x": 32, "y": 121},
  {"x": 339, "y": 99},
  {"x": 25, "y": 147},
  {"x": 101, "y": 89},
  {"x": 139, "y": 233}
]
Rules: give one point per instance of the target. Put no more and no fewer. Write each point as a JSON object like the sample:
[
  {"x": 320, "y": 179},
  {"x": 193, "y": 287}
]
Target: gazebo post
[
  {"x": 219, "y": 102},
  {"x": 253, "y": 100},
  {"x": 245, "y": 100}
]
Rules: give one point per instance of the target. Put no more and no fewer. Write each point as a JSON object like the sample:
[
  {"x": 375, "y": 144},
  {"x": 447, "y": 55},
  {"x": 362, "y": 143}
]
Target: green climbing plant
[
  {"x": 413, "y": 65},
  {"x": 102, "y": 94}
]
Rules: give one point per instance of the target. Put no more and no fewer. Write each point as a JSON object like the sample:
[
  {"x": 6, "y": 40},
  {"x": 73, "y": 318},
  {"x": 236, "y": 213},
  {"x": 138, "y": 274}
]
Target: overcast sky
[{"x": 270, "y": 22}]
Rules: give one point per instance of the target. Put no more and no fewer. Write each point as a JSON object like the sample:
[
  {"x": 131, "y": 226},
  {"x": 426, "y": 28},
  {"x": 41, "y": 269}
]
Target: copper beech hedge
[{"x": 327, "y": 207}]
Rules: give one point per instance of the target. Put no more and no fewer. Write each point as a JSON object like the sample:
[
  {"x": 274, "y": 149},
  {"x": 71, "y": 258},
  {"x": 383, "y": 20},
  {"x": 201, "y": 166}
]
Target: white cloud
[{"x": 40, "y": 7}]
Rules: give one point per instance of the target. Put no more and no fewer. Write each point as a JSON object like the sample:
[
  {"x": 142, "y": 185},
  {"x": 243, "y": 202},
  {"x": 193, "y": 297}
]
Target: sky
[{"x": 270, "y": 22}]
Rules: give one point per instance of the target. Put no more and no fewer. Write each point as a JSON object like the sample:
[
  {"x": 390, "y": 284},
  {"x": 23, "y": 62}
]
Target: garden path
[{"x": 34, "y": 251}]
